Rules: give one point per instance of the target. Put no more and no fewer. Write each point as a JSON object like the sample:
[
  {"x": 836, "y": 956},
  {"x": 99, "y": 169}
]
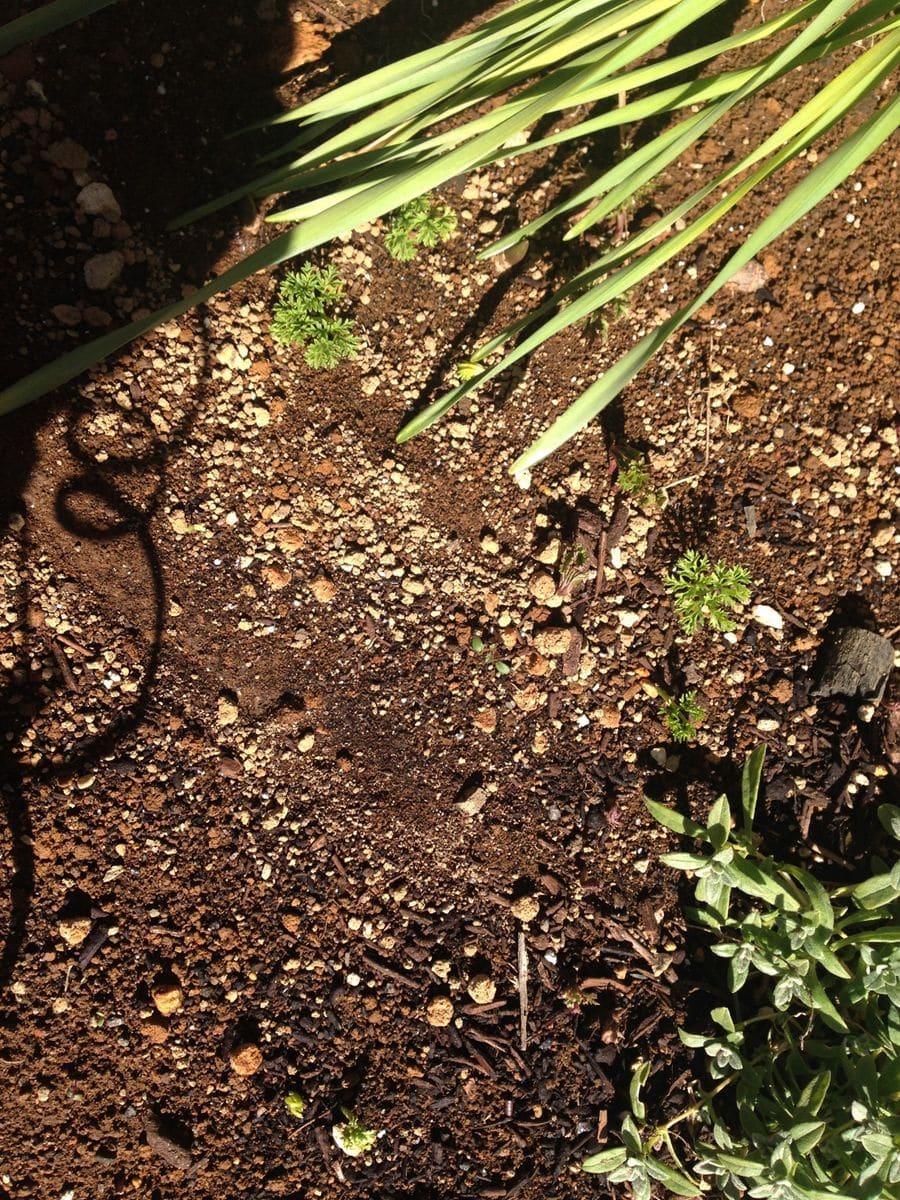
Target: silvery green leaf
[
  {"x": 750, "y": 780},
  {"x": 718, "y": 825},
  {"x": 674, "y": 1181},
  {"x": 631, "y": 1137},
  {"x": 604, "y": 1161},
  {"x": 889, "y": 816},
  {"x": 722, "y": 1016},
  {"x": 684, "y": 862},
  {"x": 673, "y": 820}
]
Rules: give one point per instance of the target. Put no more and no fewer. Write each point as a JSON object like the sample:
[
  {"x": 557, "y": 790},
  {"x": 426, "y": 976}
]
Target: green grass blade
[
  {"x": 46, "y": 19},
  {"x": 823, "y": 178}
]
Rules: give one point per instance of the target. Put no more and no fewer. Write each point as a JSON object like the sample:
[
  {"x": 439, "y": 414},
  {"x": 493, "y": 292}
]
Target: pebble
[
  {"x": 473, "y": 802},
  {"x": 73, "y": 930},
  {"x": 768, "y": 725},
  {"x": 482, "y": 989},
  {"x": 97, "y": 200},
  {"x": 102, "y": 271},
  {"x": 628, "y": 619},
  {"x": 489, "y": 544},
  {"x": 227, "y": 709},
  {"x": 246, "y": 1059},
  {"x": 67, "y": 314},
  {"x": 439, "y": 1011},
  {"x": 542, "y": 586},
  {"x": 167, "y": 997},
  {"x": 750, "y": 278},
  {"x": 763, "y": 614}
]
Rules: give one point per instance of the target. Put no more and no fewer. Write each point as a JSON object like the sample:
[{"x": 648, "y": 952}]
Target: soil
[{"x": 274, "y": 825}]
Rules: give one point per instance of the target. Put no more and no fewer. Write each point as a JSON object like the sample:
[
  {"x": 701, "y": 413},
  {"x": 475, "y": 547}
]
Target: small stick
[
  {"x": 64, "y": 669},
  {"x": 523, "y": 992}
]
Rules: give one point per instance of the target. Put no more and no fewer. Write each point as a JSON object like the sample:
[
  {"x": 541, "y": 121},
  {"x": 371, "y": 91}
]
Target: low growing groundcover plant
[
  {"x": 305, "y": 314},
  {"x": 803, "y": 1098},
  {"x": 368, "y": 147}
]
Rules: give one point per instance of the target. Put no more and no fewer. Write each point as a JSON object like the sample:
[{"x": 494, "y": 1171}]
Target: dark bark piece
[
  {"x": 856, "y": 662},
  {"x": 161, "y": 1143}
]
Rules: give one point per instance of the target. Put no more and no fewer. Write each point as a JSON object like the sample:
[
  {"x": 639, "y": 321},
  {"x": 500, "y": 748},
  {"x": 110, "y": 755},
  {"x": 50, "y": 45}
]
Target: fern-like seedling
[
  {"x": 424, "y": 221},
  {"x": 681, "y": 716},
  {"x": 304, "y": 315},
  {"x": 704, "y": 593}
]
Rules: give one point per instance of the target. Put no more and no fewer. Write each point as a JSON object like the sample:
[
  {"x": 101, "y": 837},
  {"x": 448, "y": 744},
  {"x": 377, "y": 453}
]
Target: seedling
[
  {"x": 304, "y": 315},
  {"x": 490, "y": 654},
  {"x": 467, "y": 370},
  {"x": 353, "y": 1137},
  {"x": 681, "y": 715},
  {"x": 803, "y": 1062},
  {"x": 704, "y": 592},
  {"x": 295, "y": 1104},
  {"x": 424, "y": 221},
  {"x": 575, "y": 999},
  {"x": 572, "y": 575},
  {"x": 636, "y": 480}
]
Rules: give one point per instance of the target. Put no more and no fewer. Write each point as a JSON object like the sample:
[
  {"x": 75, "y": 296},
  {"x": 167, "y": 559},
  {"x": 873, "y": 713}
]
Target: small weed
[
  {"x": 304, "y": 315},
  {"x": 803, "y": 1061},
  {"x": 490, "y": 654},
  {"x": 295, "y": 1104},
  {"x": 572, "y": 575},
  {"x": 353, "y": 1137},
  {"x": 704, "y": 592},
  {"x": 468, "y": 370},
  {"x": 424, "y": 221},
  {"x": 681, "y": 715},
  {"x": 575, "y": 999}
]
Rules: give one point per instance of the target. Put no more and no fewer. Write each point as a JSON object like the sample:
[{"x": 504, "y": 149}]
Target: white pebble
[
  {"x": 884, "y": 569},
  {"x": 789, "y": 368},
  {"x": 767, "y": 725},
  {"x": 628, "y": 618},
  {"x": 858, "y": 307},
  {"x": 764, "y": 614},
  {"x": 767, "y": 341}
]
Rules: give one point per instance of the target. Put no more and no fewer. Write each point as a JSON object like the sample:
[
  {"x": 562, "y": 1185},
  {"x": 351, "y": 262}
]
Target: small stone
[
  {"x": 489, "y": 544},
  {"x": 246, "y": 1059},
  {"x": 768, "y": 725},
  {"x": 68, "y": 155},
  {"x": 525, "y": 909},
  {"x": 67, "y": 314},
  {"x": 73, "y": 930},
  {"x": 542, "y": 586},
  {"x": 856, "y": 662},
  {"x": 628, "y": 619},
  {"x": 97, "y": 200},
  {"x": 749, "y": 278},
  {"x": 748, "y": 406},
  {"x": 102, "y": 271},
  {"x": 482, "y": 989},
  {"x": 307, "y": 741},
  {"x": 439, "y": 1011},
  {"x": 230, "y": 768},
  {"x": 763, "y": 614},
  {"x": 323, "y": 589},
  {"x": 168, "y": 997},
  {"x": 227, "y": 355},
  {"x": 275, "y": 578},
  {"x": 486, "y": 720},
  {"x": 472, "y": 802},
  {"x": 227, "y": 708},
  {"x": 528, "y": 698}
]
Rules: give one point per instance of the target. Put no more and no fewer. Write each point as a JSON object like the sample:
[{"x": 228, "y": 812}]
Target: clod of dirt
[
  {"x": 167, "y": 996},
  {"x": 227, "y": 708},
  {"x": 486, "y": 720},
  {"x": 482, "y": 989},
  {"x": 471, "y": 797},
  {"x": 161, "y": 1143},
  {"x": 74, "y": 930},
  {"x": 856, "y": 662},
  {"x": 97, "y": 200},
  {"x": 246, "y": 1059},
  {"x": 542, "y": 586},
  {"x": 750, "y": 278},
  {"x": 554, "y": 642},
  {"x": 439, "y": 1011},
  {"x": 155, "y": 1030},
  {"x": 68, "y": 155},
  {"x": 525, "y": 908},
  {"x": 102, "y": 271},
  {"x": 323, "y": 589}
]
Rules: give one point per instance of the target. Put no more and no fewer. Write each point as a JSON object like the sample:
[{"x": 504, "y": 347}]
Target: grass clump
[
  {"x": 803, "y": 1062},
  {"x": 304, "y": 316},
  {"x": 424, "y": 221},
  {"x": 682, "y": 715},
  {"x": 704, "y": 592}
]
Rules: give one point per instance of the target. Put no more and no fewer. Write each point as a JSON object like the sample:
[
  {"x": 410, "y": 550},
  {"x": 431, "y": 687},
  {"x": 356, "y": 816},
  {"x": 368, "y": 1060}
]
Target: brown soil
[{"x": 268, "y": 811}]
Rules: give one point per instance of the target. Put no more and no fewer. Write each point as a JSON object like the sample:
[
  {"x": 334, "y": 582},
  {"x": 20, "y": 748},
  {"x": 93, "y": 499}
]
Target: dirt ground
[{"x": 273, "y": 824}]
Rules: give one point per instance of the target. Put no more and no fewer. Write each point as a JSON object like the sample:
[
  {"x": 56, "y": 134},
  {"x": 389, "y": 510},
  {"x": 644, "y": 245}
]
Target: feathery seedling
[
  {"x": 682, "y": 715},
  {"x": 424, "y": 221},
  {"x": 351, "y": 1136},
  {"x": 705, "y": 593},
  {"x": 303, "y": 315}
]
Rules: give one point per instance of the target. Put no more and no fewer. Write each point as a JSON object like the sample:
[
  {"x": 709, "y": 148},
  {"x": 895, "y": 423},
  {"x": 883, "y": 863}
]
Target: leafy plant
[
  {"x": 572, "y": 573},
  {"x": 636, "y": 480},
  {"x": 803, "y": 1101},
  {"x": 681, "y": 715},
  {"x": 351, "y": 1136},
  {"x": 303, "y": 315},
  {"x": 705, "y": 592},
  {"x": 295, "y": 1104},
  {"x": 369, "y": 146},
  {"x": 424, "y": 221},
  {"x": 489, "y": 651}
]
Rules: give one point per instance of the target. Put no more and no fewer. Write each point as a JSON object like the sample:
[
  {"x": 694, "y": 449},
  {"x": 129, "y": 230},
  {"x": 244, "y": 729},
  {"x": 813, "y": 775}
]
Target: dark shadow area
[{"x": 148, "y": 94}]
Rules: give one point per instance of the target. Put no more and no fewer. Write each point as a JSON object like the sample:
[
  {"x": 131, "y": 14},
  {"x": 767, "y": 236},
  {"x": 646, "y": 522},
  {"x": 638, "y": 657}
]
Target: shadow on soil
[{"x": 167, "y": 157}]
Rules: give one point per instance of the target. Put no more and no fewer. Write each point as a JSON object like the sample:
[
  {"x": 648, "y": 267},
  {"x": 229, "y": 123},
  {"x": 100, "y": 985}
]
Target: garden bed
[{"x": 263, "y": 792}]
